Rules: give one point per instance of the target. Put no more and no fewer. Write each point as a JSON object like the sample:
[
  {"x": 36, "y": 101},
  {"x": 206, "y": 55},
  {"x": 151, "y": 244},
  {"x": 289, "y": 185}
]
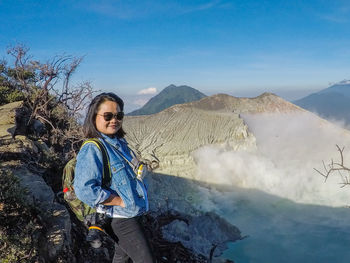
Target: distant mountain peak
[
  {"x": 168, "y": 97},
  {"x": 171, "y": 86},
  {"x": 332, "y": 103},
  {"x": 267, "y": 94},
  {"x": 266, "y": 102}
]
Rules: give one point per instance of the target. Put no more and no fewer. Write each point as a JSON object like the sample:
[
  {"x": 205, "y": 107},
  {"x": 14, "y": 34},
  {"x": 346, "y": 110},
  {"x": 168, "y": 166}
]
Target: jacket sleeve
[{"x": 88, "y": 176}]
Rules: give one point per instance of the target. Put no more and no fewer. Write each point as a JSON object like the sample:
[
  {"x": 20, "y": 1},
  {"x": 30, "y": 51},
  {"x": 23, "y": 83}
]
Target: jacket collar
[{"x": 114, "y": 141}]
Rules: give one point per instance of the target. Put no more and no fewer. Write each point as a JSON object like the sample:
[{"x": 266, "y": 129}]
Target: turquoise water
[
  {"x": 274, "y": 195},
  {"x": 279, "y": 230}
]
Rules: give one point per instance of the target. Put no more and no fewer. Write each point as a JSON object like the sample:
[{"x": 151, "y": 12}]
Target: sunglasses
[{"x": 109, "y": 115}]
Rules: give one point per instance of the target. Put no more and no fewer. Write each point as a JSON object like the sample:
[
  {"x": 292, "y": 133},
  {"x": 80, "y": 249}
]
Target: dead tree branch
[
  {"x": 49, "y": 94},
  {"x": 338, "y": 167}
]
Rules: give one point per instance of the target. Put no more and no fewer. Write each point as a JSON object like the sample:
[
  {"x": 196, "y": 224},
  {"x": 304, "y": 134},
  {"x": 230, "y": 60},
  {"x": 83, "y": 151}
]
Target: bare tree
[
  {"x": 50, "y": 96},
  {"x": 337, "y": 167}
]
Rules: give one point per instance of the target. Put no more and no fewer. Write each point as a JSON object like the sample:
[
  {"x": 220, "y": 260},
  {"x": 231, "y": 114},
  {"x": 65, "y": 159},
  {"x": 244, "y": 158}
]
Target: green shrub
[
  {"x": 8, "y": 95},
  {"x": 18, "y": 222}
]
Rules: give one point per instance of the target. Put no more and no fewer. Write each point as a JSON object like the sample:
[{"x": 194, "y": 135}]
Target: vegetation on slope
[{"x": 19, "y": 223}]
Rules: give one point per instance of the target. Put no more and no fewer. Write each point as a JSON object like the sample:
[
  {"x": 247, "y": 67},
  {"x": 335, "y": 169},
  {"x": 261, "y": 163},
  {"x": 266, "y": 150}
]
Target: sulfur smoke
[{"x": 289, "y": 147}]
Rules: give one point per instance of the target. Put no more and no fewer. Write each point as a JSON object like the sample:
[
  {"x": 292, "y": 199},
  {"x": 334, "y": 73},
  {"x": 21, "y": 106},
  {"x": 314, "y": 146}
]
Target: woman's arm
[{"x": 88, "y": 176}]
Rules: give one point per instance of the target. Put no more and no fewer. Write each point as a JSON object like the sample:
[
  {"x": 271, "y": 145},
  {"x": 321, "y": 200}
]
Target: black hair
[{"x": 89, "y": 127}]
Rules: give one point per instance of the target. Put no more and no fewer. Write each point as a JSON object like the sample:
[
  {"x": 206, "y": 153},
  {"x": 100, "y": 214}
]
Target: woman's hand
[{"x": 114, "y": 200}]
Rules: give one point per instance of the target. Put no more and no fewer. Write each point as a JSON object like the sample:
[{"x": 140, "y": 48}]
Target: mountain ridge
[
  {"x": 268, "y": 102},
  {"x": 169, "y": 96},
  {"x": 174, "y": 133},
  {"x": 331, "y": 103}
]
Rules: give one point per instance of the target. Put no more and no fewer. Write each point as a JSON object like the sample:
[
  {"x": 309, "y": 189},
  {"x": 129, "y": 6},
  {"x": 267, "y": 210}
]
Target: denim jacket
[{"x": 88, "y": 179}]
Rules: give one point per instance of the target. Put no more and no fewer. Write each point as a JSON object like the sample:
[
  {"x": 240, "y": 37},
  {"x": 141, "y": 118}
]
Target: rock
[
  {"x": 27, "y": 144},
  {"x": 8, "y": 112},
  {"x": 37, "y": 128},
  {"x": 197, "y": 231},
  {"x": 8, "y": 119},
  {"x": 57, "y": 236},
  {"x": 42, "y": 146},
  {"x": 202, "y": 234},
  {"x": 41, "y": 194}
]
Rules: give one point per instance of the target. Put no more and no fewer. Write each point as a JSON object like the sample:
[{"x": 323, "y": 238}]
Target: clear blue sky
[{"x": 242, "y": 48}]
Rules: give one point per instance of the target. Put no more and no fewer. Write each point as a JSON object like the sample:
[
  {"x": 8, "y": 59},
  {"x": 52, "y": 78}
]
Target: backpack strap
[
  {"x": 138, "y": 167},
  {"x": 134, "y": 162},
  {"x": 106, "y": 175}
]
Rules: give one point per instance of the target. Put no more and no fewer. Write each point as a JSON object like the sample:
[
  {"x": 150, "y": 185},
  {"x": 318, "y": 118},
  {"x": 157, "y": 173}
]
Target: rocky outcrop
[
  {"x": 18, "y": 154},
  {"x": 206, "y": 234},
  {"x": 8, "y": 119},
  {"x": 180, "y": 199}
]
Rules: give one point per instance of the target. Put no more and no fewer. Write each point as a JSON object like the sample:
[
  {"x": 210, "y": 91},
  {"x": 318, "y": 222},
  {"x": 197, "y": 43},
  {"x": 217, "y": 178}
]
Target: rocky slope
[
  {"x": 175, "y": 133},
  {"x": 18, "y": 154}
]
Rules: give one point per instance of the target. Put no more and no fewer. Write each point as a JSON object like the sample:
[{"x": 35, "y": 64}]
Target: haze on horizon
[{"x": 137, "y": 48}]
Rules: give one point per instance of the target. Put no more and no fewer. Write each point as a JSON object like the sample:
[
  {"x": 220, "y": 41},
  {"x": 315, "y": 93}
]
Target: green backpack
[{"x": 80, "y": 209}]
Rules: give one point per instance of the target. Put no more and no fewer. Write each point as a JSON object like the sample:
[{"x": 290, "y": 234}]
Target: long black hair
[{"x": 89, "y": 127}]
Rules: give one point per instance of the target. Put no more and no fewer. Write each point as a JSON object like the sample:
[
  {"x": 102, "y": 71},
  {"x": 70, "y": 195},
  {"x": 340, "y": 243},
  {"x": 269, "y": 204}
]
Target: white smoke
[{"x": 289, "y": 146}]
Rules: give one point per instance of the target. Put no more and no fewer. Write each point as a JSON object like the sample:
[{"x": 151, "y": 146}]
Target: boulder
[
  {"x": 57, "y": 237},
  {"x": 39, "y": 192},
  {"x": 8, "y": 119},
  {"x": 205, "y": 234}
]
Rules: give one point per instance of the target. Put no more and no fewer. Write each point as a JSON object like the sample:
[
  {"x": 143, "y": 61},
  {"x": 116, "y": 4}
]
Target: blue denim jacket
[{"x": 88, "y": 178}]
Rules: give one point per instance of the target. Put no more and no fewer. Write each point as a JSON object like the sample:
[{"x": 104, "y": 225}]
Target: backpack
[{"x": 80, "y": 209}]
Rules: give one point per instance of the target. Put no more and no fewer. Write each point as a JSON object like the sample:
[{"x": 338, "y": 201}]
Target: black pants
[{"x": 130, "y": 241}]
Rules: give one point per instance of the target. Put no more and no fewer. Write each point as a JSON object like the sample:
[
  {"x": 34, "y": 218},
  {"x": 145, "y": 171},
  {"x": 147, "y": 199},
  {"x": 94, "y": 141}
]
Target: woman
[{"x": 126, "y": 197}]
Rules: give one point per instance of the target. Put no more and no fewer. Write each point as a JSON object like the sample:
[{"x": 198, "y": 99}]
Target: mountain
[
  {"x": 173, "y": 134},
  {"x": 169, "y": 96},
  {"x": 330, "y": 103}
]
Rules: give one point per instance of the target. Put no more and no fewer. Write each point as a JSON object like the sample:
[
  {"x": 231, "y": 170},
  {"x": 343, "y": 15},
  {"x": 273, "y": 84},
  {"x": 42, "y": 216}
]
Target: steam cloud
[{"x": 289, "y": 146}]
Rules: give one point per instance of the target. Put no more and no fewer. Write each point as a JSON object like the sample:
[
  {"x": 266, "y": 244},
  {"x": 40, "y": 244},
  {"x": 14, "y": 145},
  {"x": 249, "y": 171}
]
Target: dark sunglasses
[{"x": 109, "y": 115}]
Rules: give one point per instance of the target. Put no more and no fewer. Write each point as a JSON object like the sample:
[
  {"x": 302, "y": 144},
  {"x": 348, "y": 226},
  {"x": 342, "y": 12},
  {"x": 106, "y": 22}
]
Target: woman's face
[{"x": 111, "y": 127}]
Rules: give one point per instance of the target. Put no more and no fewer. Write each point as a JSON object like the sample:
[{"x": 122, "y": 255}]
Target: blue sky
[{"x": 241, "y": 48}]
